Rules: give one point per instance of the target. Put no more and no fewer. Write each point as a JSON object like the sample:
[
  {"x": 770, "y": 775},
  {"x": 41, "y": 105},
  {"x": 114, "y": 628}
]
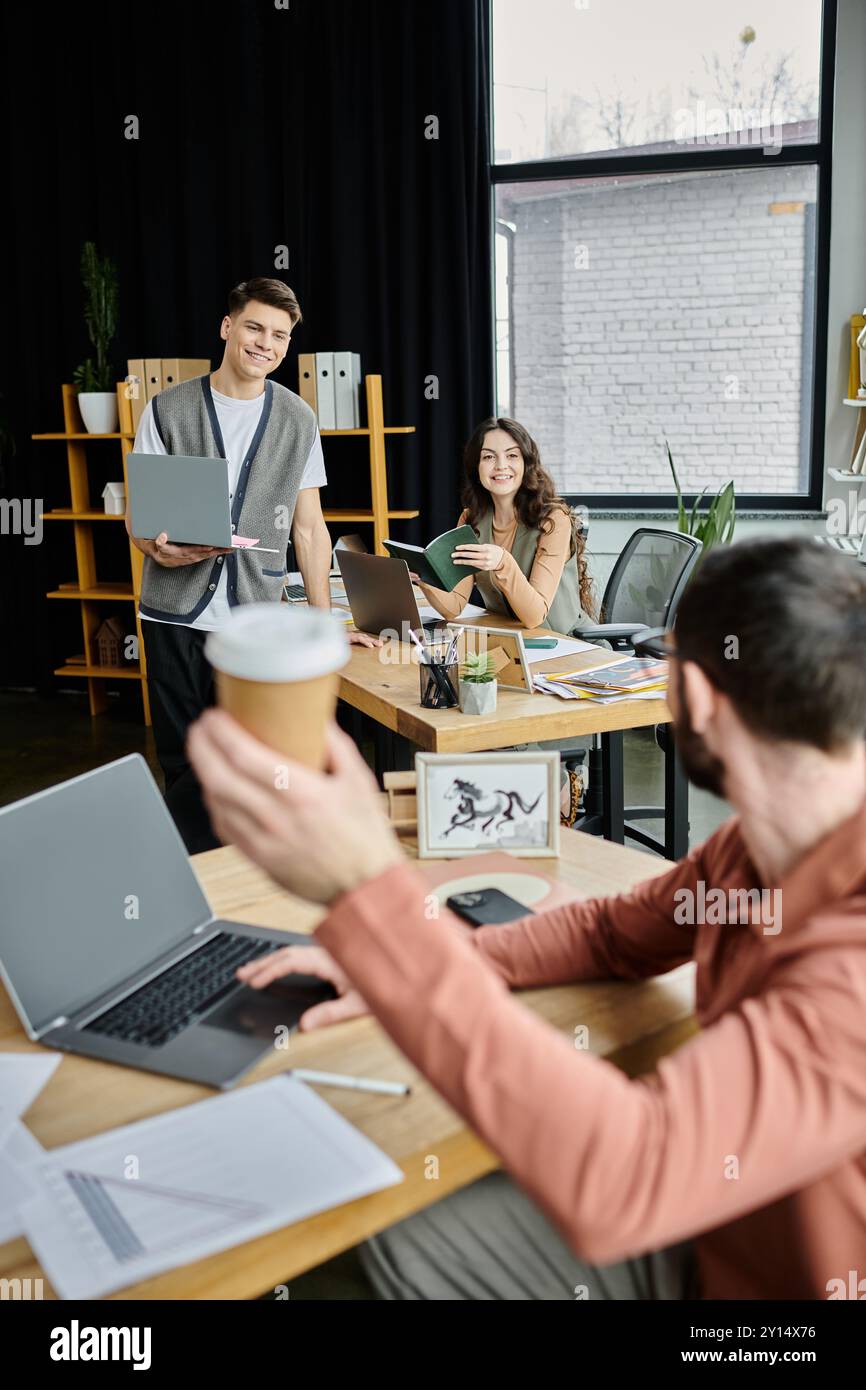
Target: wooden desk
[
  {"x": 387, "y": 691},
  {"x": 632, "y": 1024}
]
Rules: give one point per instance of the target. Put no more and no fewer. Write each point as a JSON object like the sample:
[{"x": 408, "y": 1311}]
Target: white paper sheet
[
  {"x": 467, "y": 614},
  {"x": 17, "y": 1159},
  {"x": 142, "y": 1199},
  {"x": 22, "y": 1076},
  {"x": 565, "y": 646}
]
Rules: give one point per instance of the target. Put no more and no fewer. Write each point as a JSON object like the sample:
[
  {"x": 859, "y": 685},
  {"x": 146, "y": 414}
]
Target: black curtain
[{"x": 259, "y": 127}]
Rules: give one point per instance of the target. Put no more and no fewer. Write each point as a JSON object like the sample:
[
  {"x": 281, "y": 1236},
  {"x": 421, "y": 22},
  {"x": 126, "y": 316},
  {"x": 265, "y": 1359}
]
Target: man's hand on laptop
[
  {"x": 308, "y": 960},
  {"x": 165, "y": 553},
  {"x": 363, "y": 639},
  {"x": 319, "y": 836}
]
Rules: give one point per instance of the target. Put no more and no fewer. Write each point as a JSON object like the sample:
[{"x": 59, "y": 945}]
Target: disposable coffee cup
[{"x": 277, "y": 671}]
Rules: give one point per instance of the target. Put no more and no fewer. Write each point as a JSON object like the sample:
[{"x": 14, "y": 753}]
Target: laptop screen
[{"x": 94, "y": 884}]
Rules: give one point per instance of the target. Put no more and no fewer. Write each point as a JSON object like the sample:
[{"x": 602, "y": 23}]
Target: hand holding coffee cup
[{"x": 277, "y": 672}]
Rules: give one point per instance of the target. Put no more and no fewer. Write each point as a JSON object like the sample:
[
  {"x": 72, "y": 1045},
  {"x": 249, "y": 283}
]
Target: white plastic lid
[{"x": 278, "y": 642}]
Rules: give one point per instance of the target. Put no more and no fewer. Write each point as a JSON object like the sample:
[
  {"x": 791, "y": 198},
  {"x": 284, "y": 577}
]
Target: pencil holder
[{"x": 438, "y": 684}]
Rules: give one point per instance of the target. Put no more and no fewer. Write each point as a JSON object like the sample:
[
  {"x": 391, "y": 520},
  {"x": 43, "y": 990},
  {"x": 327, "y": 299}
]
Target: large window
[{"x": 661, "y": 191}]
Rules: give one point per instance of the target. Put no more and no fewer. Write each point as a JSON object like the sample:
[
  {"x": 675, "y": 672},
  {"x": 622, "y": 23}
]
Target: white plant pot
[
  {"x": 478, "y": 697},
  {"x": 98, "y": 411}
]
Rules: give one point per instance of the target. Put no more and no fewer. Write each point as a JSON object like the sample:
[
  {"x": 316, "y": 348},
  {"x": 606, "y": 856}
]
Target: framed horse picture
[{"x": 471, "y": 803}]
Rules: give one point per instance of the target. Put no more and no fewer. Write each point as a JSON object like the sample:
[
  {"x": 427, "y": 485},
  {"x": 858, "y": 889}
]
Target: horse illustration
[{"x": 475, "y": 805}]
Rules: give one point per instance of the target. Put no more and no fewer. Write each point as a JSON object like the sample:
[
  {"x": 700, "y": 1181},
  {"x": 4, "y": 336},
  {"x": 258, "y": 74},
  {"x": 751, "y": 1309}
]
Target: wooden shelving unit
[
  {"x": 363, "y": 514},
  {"x": 88, "y": 590},
  {"x": 375, "y": 430},
  {"x": 113, "y": 590},
  {"x": 844, "y": 475},
  {"x": 67, "y": 514}
]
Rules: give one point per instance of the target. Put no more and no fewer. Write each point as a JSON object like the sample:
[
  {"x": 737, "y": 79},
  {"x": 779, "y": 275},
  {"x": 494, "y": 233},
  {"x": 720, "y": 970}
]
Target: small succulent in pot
[
  {"x": 478, "y": 668},
  {"x": 478, "y": 684}
]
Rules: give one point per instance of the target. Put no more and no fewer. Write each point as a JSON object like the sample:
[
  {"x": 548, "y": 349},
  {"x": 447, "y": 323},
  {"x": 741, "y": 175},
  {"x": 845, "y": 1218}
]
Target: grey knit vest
[
  {"x": 565, "y": 613},
  {"x": 263, "y": 504}
]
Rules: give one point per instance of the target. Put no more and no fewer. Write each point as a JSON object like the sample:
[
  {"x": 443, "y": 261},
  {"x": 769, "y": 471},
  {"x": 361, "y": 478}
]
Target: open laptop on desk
[
  {"x": 188, "y": 498},
  {"x": 109, "y": 947},
  {"x": 380, "y": 594}
]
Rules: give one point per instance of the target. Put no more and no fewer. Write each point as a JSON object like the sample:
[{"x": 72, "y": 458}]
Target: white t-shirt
[{"x": 238, "y": 421}]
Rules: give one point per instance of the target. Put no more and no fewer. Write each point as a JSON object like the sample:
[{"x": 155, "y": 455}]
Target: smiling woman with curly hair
[{"x": 529, "y": 555}]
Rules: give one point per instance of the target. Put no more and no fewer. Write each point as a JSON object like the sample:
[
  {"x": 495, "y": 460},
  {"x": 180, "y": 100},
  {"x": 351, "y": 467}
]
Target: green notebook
[{"x": 432, "y": 563}]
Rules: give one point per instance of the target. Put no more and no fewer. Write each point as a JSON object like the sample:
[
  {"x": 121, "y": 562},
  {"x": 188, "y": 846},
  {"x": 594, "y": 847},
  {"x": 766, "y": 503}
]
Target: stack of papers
[
  {"x": 136, "y": 1201},
  {"x": 639, "y": 678}
]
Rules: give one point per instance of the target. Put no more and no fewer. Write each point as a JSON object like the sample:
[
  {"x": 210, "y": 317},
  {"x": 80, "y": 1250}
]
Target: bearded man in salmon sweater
[{"x": 737, "y": 1170}]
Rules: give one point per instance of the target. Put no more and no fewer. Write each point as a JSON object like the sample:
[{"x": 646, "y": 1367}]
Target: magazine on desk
[
  {"x": 637, "y": 673},
  {"x": 637, "y": 678}
]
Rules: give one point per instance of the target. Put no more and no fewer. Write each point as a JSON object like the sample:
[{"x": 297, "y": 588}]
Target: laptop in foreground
[{"x": 109, "y": 947}]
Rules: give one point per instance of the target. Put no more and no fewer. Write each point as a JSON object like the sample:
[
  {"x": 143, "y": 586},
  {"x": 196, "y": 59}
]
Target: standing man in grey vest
[{"x": 270, "y": 440}]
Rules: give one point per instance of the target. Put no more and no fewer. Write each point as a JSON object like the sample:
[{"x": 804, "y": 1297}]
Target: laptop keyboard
[{"x": 161, "y": 1009}]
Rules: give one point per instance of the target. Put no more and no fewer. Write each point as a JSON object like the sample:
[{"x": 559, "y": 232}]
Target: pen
[
  {"x": 418, "y": 645},
  {"x": 452, "y": 646},
  {"x": 351, "y": 1083}
]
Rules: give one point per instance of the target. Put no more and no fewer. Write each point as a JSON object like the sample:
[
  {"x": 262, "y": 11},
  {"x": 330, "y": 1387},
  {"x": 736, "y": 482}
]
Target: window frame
[{"x": 692, "y": 160}]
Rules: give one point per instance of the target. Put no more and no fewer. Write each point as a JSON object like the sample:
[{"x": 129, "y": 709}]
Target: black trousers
[{"x": 181, "y": 683}]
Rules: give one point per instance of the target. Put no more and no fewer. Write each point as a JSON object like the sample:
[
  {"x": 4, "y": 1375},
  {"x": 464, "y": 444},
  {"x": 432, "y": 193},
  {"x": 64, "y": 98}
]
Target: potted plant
[
  {"x": 97, "y": 396},
  {"x": 716, "y": 525},
  {"x": 478, "y": 684}
]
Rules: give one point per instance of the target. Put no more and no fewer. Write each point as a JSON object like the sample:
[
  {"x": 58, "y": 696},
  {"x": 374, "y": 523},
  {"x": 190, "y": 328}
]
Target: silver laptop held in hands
[{"x": 186, "y": 497}]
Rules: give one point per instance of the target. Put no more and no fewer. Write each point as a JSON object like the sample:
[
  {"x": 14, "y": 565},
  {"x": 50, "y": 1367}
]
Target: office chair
[
  {"x": 645, "y": 586},
  {"x": 640, "y": 603}
]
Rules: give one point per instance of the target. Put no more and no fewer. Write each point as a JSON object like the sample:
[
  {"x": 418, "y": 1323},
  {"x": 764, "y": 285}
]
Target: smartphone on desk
[{"x": 486, "y": 907}]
